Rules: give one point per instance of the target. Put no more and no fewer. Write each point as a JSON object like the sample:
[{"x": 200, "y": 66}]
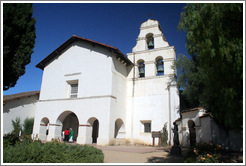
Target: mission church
[
  {"x": 127, "y": 99},
  {"x": 123, "y": 103}
]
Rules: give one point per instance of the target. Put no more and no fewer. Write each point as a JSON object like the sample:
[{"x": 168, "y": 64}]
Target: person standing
[
  {"x": 63, "y": 135},
  {"x": 71, "y": 135},
  {"x": 66, "y": 135}
]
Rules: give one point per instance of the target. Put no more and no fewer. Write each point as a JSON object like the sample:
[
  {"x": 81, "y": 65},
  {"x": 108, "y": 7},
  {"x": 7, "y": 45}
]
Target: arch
[
  {"x": 44, "y": 128},
  {"x": 159, "y": 65},
  {"x": 119, "y": 128},
  {"x": 141, "y": 68},
  {"x": 94, "y": 123},
  {"x": 66, "y": 120},
  {"x": 192, "y": 130},
  {"x": 150, "y": 40},
  {"x": 158, "y": 58}
]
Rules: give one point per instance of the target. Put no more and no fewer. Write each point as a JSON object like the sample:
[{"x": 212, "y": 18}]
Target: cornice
[
  {"x": 155, "y": 49},
  {"x": 79, "y": 98},
  {"x": 150, "y": 26}
]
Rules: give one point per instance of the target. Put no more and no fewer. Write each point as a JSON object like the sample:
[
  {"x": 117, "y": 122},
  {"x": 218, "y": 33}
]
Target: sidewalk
[{"x": 139, "y": 154}]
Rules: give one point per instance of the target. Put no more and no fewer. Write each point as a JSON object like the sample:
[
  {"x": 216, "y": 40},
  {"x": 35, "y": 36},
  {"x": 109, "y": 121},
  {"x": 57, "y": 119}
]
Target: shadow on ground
[{"x": 166, "y": 159}]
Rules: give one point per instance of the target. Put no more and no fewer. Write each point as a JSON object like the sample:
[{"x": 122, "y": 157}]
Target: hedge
[{"x": 51, "y": 152}]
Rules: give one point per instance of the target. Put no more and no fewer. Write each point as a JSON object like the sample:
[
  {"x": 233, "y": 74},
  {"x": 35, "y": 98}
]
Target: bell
[
  {"x": 150, "y": 45},
  {"x": 160, "y": 69},
  {"x": 141, "y": 72}
]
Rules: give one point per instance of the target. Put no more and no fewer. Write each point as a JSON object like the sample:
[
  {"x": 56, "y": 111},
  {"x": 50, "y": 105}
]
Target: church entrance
[
  {"x": 67, "y": 120},
  {"x": 95, "y": 129},
  {"x": 71, "y": 121},
  {"x": 192, "y": 131}
]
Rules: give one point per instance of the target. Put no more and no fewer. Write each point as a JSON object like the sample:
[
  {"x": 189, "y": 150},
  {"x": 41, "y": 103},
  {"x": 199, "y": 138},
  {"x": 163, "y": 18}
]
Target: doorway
[
  {"x": 95, "y": 129},
  {"x": 192, "y": 131},
  {"x": 71, "y": 121}
]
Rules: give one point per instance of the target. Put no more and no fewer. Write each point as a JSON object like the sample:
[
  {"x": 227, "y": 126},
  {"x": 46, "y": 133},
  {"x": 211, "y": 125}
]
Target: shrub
[
  {"x": 203, "y": 153},
  {"x": 51, "y": 152},
  {"x": 16, "y": 126},
  {"x": 28, "y": 126},
  {"x": 164, "y": 135},
  {"x": 10, "y": 140}
]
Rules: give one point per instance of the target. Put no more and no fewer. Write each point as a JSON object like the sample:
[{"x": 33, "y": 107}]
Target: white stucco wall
[
  {"x": 205, "y": 132},
  {"x": 23, "y": 108},
  {"x": 84, "y": 109},
  {"x": 90, "y": 65}
]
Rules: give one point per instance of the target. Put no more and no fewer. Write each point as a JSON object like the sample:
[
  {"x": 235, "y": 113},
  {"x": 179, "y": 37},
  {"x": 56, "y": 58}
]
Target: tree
[
  {"x": 18, "y": 41},
  {"x": 213, "y": 77}
]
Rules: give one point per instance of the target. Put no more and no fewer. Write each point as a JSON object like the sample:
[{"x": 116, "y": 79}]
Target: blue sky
[{"x": 115, "y": 24}]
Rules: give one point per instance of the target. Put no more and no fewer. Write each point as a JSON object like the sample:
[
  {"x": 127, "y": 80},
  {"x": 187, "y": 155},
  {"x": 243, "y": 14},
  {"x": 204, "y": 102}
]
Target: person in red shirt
[{"x": 66, "y": 135}]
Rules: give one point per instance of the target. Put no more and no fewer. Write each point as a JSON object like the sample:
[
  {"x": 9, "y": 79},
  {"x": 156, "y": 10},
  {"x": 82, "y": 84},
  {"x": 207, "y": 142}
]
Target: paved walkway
[{"x": 138, "y": 154}]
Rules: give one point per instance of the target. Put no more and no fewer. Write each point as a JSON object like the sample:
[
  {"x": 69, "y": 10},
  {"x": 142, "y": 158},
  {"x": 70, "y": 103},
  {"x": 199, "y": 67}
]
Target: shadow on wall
[
  {"x": 18, "y": 103},
  {"x": 228, "y": 139}
]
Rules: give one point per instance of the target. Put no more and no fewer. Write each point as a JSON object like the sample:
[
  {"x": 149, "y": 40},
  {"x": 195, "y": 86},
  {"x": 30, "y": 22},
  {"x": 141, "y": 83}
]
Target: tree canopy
[
  {"x": 18, "y": 41},
  {"x": 213, "y": 77}
]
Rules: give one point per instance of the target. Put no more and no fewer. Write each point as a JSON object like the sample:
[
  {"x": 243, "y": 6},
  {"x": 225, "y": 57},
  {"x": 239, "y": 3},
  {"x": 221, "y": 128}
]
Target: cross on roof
[{"x": 150, "y": 15}]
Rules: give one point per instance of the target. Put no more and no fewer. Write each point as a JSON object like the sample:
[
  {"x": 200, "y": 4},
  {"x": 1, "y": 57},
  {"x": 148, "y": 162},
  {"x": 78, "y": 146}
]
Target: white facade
[{"x": 112, "y": 104}]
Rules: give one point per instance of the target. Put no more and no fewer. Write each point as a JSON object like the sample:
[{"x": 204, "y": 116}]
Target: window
[
  {"x": 147, "y": 127},
  {"x": 74, "y": 90}
]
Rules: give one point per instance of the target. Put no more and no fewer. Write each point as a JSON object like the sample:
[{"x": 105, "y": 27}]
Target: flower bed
[{"x": 204, "y": 153}]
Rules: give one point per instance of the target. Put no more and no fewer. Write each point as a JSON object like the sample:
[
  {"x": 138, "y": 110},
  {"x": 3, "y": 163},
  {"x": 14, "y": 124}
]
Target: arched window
[
  {"x": 150, "y": 41},
  {"x": 159, "y": 66},
  {"x": 141, "y": 68}
]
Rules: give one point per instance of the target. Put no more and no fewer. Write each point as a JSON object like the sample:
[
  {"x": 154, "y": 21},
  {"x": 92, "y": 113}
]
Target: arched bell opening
[
  {"x": 95, "y": 129},
  {"x": 159, "y": 66},
  {"x": 141, "y": 68},
  {"x": 68, "y": 120},
  {"x": 192, "y": 131},
  {"x": 44, "y": 128},
  {"x": 150, "y": 41},
  {"x": 119, "y": 129}
]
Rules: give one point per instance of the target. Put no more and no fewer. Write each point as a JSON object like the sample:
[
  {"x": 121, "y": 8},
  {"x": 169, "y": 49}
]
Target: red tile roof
[
  {"x": 192, "y": 109},
  {"x": 206, "y": 115},
  {"x": 19, "y": 95},
  {"x": 75, "y": 38}
]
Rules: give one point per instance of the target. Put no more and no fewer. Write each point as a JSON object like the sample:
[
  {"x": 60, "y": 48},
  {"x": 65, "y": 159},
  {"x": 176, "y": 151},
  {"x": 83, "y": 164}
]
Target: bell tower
[
  {"x": 150, "y": 37},
  {"x": 152, "y": 54},
  {"x": 152, "y": 98}
]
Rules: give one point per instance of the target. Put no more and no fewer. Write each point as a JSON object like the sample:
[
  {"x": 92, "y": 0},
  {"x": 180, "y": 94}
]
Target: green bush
[
  {"x": 16, "y": 126},
  {"x": 28, "y": 126},
  {"x": 10, "y": 140},
  {"x": 164, "y": 135},
  {"x": 204, "y": 153},
  {"x": 51, "y": 152}
]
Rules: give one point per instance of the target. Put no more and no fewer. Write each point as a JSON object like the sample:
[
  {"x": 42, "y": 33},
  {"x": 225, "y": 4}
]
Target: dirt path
[{"x": 134, "y": 154}]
